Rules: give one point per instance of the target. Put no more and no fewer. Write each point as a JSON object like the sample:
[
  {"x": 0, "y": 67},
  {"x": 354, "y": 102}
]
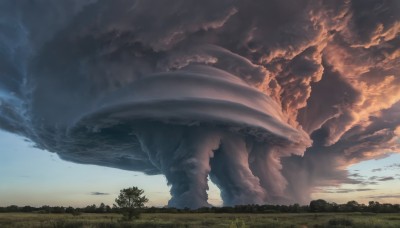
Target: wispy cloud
[
  {"x": 376, "y": 178},
  {"x": 385, "y": 196},
  {"x": 355, "y": 175},
  {"x": 348, "y": 190},
  {"x": 386, "y": 179},
  {"x": 99, "y": 193},
  {"x": 364, "y": 189},
  {"x": 394, "y": 166},
  {"x": 376, "y": 170},
  {"x": 369, "y": 183}
]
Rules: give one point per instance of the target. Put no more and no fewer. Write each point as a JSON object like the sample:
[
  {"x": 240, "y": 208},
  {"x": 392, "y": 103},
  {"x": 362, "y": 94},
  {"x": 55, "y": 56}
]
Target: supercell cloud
[{"x": 269, "y": 99}]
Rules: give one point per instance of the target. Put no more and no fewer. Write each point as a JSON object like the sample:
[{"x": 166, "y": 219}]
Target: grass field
[{"x": 202, "y": 220}]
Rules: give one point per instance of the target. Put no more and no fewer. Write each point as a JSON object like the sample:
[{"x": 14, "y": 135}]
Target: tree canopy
[{"x": 130, "y": 199}]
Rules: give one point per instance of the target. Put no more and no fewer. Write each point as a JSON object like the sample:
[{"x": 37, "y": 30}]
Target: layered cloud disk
[{"x": 271, "y": 99}]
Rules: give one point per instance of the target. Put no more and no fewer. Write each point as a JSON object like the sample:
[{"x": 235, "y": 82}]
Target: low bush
[{"x": 340, "y": 222}]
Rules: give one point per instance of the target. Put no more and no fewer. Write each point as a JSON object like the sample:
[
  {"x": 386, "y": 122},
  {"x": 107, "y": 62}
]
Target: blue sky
[
  {"x": 383, "y": 176},
  {"x": 29, "y": 176}
]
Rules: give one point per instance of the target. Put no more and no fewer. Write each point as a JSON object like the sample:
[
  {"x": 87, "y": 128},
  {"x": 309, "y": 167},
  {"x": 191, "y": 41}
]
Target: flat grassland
[{"x": 202, "y": 220}]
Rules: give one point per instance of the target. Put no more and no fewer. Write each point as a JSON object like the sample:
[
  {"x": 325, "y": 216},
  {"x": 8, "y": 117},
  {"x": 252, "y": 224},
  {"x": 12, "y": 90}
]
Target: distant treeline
[{"x": 314, "y": 206}]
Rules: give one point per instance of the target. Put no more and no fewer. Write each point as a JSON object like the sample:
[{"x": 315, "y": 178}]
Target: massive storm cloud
[{"x": 268, "y": 99}]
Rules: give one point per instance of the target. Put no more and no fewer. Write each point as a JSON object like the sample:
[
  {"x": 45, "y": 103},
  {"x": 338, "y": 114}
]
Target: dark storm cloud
[{"x": 271, "y": 99}]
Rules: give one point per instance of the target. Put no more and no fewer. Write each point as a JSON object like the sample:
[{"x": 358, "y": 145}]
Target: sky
[
  {"x": 30, "y": 176},
  {"x": 276, "y": 102}
]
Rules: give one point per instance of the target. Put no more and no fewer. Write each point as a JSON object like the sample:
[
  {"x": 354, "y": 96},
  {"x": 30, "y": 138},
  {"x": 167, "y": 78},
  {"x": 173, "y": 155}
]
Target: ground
[{"x": 202, "y": 220}]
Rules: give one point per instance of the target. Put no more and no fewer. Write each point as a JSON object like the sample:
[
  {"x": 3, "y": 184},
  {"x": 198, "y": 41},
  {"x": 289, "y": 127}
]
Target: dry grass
[{"x": 202, "y": 220}]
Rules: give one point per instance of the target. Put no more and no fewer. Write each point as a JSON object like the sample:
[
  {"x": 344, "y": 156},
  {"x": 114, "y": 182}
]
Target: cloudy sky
[
  {"x": 30, "y": 176},
  {"x": 35, "y": 177},
  {"x": 261, "y": 102}
]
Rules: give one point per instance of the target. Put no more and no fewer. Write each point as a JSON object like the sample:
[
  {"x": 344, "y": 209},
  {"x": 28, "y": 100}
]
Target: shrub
[
  {"x": 76, "y": 212},
  {"x": 237, "y": 223},
  {"x": 340, "y": 222}
]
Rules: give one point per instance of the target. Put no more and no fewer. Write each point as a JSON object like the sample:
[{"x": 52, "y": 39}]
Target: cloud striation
[{"x": 270, "y": 99}]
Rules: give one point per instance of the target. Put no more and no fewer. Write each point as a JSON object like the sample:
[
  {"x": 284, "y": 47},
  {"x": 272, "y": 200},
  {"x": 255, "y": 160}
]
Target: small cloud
[
  {"x": 372, "y": 183},
  {"x": 376, "y": 170},
  {"x": 348, "y": 190},
  {"x": 357, "y": 180},
  {"x": 344, "y": 191},
  {"x": 364, "y": 181},
  {"x": 355, "y": 175},
  {"x": 376, "y": 178},
  {"x": 373, "y": 178},
  {"x": 99, "y": 193},
  {"x": 386, "y": 178},
  {"x": 384, "y": 196},
  {"x": 364, "y": 189},
  {"x": 369, "y": 183},
  {"x": 394, "y": 166}
]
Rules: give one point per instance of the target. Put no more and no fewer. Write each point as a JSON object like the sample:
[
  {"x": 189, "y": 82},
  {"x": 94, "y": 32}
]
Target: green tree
[
  {"x": 130, "y": 200},
  {"x": 101, "y": 208},
  {"x": 352, "y": 206},
  {"x": 319, "y": 205}
]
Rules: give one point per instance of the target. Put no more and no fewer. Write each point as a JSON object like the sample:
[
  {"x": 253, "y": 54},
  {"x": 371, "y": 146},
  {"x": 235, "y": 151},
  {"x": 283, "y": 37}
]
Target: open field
[{"x": 202, "y": 220}]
